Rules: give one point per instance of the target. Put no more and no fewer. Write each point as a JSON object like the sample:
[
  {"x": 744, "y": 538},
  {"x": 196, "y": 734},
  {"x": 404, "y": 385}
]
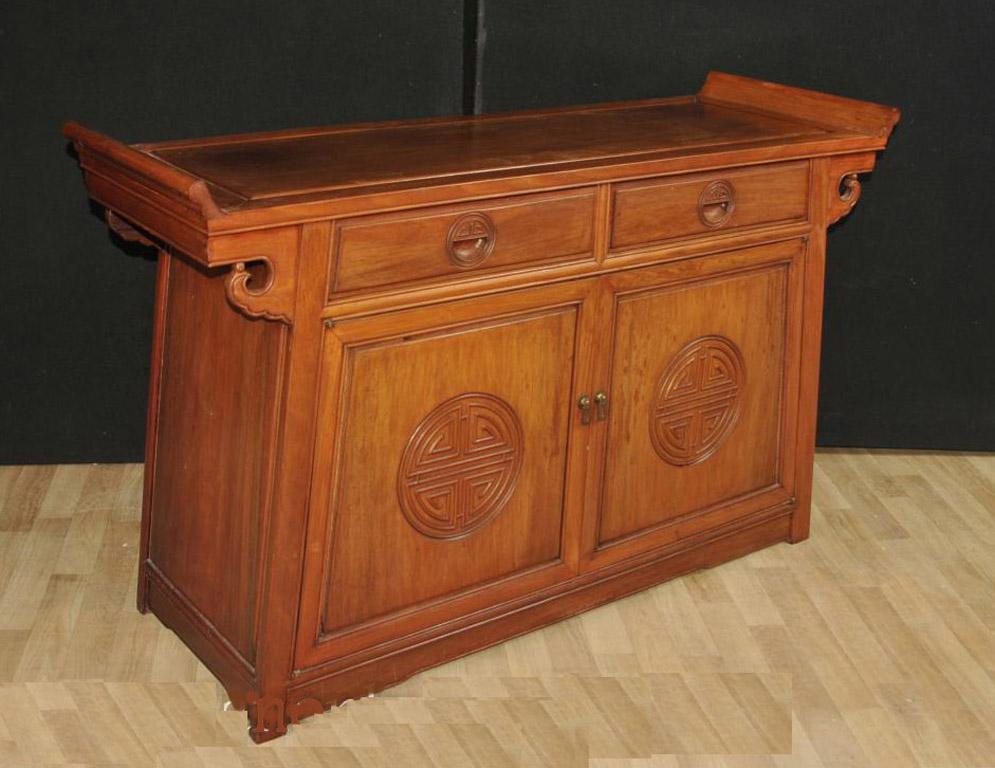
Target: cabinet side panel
[{"x": 212, "y": 462}]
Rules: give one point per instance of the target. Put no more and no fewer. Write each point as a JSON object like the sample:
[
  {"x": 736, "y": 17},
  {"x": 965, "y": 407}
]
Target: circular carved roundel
[
  {"x": 716, "y": 203},
  {"x": 697, "y": 400},
  {"x": 460, "y": 466},
  {"x": 470, "y": 240}
]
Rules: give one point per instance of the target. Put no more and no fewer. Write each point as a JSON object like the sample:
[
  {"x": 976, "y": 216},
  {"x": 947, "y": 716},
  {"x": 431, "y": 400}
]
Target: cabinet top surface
[
  {"x": 732, "y": 120},
  {"x": 259, "y": 167}
]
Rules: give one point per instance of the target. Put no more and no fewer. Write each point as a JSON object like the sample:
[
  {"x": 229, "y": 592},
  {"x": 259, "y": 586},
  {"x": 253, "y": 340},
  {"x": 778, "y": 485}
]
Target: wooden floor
[{"x": 869, "y": 645}]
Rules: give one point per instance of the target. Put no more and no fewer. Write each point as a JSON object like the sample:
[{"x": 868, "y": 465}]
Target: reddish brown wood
[
  {"x": 152, "y": 419},
  {"x": 651, "y": 211},
  {"x": 516, "y": 397},
  {"x": 525, "y": 348},
  {"x": 422, "y": 386},
  {"x": 734, "y": 327},
  {"x": 464, "y": 241},
  {"x": 168, "y": 178},
  {"x": 300, "y": 175},
  {"x": 831, "y": 112},
  {"x": 212, "y": 464},
  {"x": 267, "y": 169}
]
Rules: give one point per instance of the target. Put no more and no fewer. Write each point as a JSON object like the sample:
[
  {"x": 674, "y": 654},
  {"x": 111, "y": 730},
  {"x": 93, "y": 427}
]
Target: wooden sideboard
[{"x": 418, "y": 387}]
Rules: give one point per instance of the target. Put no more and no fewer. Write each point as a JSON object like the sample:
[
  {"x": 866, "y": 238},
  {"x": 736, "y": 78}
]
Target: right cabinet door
[{"x": 698, "y": 423}]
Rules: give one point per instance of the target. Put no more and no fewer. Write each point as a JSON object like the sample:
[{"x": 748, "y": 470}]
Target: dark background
[{"x": 908, "y": 354}]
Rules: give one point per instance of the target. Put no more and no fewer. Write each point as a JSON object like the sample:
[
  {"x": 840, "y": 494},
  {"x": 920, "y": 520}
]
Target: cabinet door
[
  {"x": 444, "y": 480},
  {"x": 699, "y": 420}
]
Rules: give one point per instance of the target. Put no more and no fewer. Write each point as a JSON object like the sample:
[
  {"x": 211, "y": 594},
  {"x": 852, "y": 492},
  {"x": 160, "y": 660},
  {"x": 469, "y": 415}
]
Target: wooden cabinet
[{"x": 420, "y": 387}]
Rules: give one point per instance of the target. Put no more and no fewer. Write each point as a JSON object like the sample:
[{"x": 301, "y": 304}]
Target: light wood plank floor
[{"x": 869, "y": 645}]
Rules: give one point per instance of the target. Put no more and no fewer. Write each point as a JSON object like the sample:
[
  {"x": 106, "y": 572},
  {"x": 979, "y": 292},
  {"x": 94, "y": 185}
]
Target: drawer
[
  {"x": 649, "y": 211},
  {"x": 457, "y": 242}
]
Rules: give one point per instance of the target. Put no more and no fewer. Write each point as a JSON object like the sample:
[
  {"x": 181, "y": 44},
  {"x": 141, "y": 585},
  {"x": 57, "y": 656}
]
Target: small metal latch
[
  {"x": 584, "y": 404},
  {"x": 601, "y": 401}
]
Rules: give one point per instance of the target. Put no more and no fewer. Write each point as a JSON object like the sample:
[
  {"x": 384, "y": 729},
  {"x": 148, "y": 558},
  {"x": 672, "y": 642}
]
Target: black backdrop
[
  {"x": 75, "y": 311},
  {"x": 908, "y": 357}
]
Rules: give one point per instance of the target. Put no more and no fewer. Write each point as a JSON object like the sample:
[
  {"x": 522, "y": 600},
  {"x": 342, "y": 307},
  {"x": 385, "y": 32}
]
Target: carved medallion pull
[
  {"x": 716, "y": 203},
  {"x": 470, "y": 240}
]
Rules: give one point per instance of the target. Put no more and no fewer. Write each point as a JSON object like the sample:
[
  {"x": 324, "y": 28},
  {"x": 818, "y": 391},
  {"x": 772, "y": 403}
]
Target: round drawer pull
[
  {"x": 716, "y": 203},
  {"x": 471, "y": 239}
]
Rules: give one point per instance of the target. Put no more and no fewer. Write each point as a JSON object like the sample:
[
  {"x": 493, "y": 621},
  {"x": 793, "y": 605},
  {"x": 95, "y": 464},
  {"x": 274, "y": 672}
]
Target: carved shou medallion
[
  {"x": 716, "y": 203},
  {"x": 697, "y": 401},
  {"x": 471, "y": 239},
  {"x": 460, "y": 466}
]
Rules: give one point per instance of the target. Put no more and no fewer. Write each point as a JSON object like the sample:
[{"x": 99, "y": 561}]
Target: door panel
[
  {"x": 450, "y": 471},
  {"x": 445, "y": 445},
  {"x": 703, "y": 374}
]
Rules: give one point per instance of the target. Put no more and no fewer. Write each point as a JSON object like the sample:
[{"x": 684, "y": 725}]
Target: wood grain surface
[
  {"x": 181, "y": 191},
  {"x": 871, "y": 644}
]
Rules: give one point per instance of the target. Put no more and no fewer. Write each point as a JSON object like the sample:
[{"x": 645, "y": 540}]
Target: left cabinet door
[{"x": 447, "y": 469}]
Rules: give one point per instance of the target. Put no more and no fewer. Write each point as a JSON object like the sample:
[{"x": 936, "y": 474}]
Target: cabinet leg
[
  {"x": 800, "y": 521},
  {"x": 267, "y": 718},
  {"x": 142, "y": 594}
]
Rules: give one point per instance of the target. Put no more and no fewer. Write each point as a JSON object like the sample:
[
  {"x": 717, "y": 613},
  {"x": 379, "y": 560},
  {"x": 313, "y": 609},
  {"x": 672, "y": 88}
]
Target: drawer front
[
  {"x": 456, "y": 242},
  {"x": 650, "y": 211}
]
